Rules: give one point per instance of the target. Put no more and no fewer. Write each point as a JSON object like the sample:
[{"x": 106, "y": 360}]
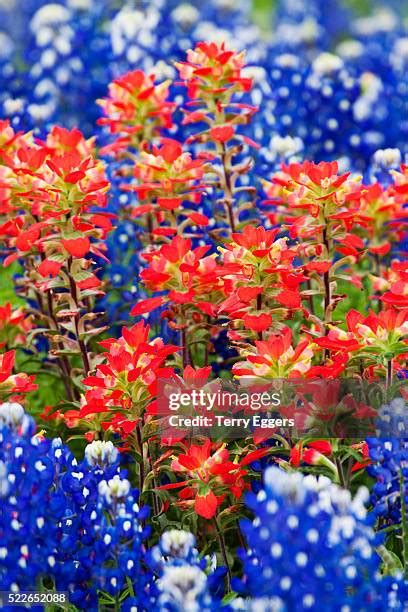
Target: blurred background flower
[{"x": 330, "y": 75}]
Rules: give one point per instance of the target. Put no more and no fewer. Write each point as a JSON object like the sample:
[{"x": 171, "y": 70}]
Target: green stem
[
  {"x": 311, "y": 304},
  {"x": 141, "y": 464},
  {"x": 185, "y": 349},
  {"x": 62, "y": 361},
  {"x": 154, "y": 496},
  {"x": 389, "y": 374},
  {"x": 259, "y": 307},
  {"x": 227, "y": 188},
  {"x": 327, "y": 290},
  {"x": 81, "y": 343},
  {"x": 340, "y": 473},
  {"x": 326, "y": 281},
  {"x": 47, "y": 310},
  {"x": 223, "y": 549}
]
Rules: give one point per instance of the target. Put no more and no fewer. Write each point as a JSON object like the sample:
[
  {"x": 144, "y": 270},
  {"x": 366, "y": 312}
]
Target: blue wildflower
[
  {"x": 390, "y": 469},
  {"x": 311, "y": 546},
  {"x": 75, "y": 525},
  {"x": 185, "y": 581}
]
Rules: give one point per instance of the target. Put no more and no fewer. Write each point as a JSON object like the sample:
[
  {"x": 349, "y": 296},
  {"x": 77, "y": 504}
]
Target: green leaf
[
  {"x": 229, "y": 597},
  {"x": 130, "y": 586},
  {"x": 345, "y": 451},
  {"x": 391, "y": 562}
]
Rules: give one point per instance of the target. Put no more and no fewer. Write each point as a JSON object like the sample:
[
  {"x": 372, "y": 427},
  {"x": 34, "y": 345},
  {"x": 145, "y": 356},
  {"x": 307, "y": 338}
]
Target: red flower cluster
[
  {"x": 136, "y": 109},
  {"x": 51, "y": 189},
  {"x": 215, "y": 84},
  {"x": 167, "y": 177},
  {"x": 261, "y": 280},
  {"x": 378, "y": 339},
  {"x": 124, "y": 383},
  {"x": 318, "y": 204},
  {"x": 187, "y": 275},
  {"x": 214, "y": 72},
  {"x": 276, "y": 357},
  {"x": 211, "y": 476}
]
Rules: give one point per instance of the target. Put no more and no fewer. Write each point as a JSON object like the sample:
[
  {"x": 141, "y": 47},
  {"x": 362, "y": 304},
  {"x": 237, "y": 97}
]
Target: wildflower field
[{"x": 204, "y": 305}]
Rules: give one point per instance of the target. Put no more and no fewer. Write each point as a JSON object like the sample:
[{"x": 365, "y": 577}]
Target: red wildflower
[
  {"x": 210, "y": 477},
  {"x": 275, "y": 357},
  {"x": 53, "y": 186},
  {"x": 186, "y": 274},
  {"x": 313, "y": 453},
  {"x": 213, "y": 77},
  {"x": 125, "y": 381},
  {"x": 222, "y": 133},
  {"x": 169, "y": 173},
  {"x": 312, "y": 196},
  {"x": 361, "y": 447},
  {"x": 211, "y": 70},
  {"x": 259, "y": 278},
  {"x": 388, "y": 327},
  {"x": 136, "y": 109}
]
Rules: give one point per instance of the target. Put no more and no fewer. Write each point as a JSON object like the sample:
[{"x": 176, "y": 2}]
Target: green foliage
[
  {"x": 7, "y": 292},
  {"x": 354, "y": 298},
  {"x": 50, "y": 387}
]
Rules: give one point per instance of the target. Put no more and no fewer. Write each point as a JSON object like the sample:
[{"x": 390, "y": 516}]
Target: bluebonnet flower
[
  {"x": 379, "y": 52},
  {"x": 77, "y": 524},
  {"x": 13, "y": 416},
  {"x": 309, "y": 103},
  {"x": 307, "y": 25},
  {"x": 177, "y": 545},
  {"x": 28, "y": 526},
  {"x": 392, "y": 420},
  {"x": 154, "y": 33},
  {"x": 184, "y": 588},
  {"x": 101, "y": 533},
  {"x": 326, "y": 106},
  {"x": 66, "y": 52},
  {"x": 185, "y": 581},
  {"x": 101, "y": 453},
  {"x": 65, "y": 44},
  {"x": 389, "y": 465},
  {"x": 358, "y": 85},
  {"x": 382, "y": 164},
  {"x": 311, "y": 547}
]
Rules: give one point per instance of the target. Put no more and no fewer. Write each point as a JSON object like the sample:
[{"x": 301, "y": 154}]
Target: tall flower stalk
[
  {"x": 213, "y": 75},
  {"x": 52, "y": 190}
]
